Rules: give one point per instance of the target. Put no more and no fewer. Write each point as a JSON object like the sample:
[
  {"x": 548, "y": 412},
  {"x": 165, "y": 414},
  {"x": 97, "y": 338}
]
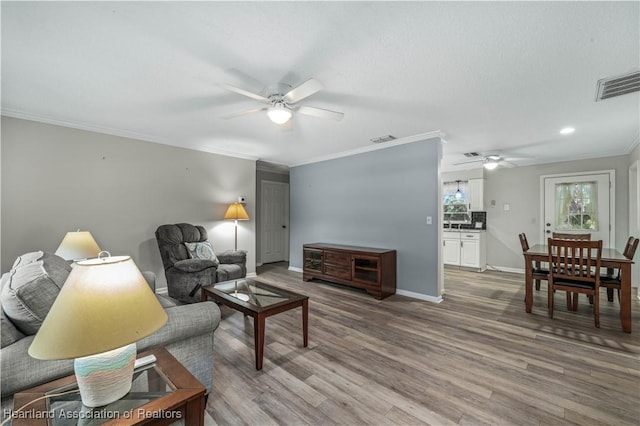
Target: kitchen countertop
[
  {"x": 463, "y": 230},
  {"x": 461, "y": 227}
]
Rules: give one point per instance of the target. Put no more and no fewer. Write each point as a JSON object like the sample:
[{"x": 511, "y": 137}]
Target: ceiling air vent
[
  {"x": 471, "y": 154},
  {"x": 381, "y": 139},
  {"x": 617, "y": 86}
]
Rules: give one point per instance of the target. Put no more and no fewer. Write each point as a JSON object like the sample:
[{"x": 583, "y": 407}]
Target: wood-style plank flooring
[{"x": 476, "y": 358}]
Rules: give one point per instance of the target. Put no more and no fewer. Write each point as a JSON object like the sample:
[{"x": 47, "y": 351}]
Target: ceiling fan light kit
[
  {"x": 279, "y": 113},
  {"x": 490, "y": 164}
]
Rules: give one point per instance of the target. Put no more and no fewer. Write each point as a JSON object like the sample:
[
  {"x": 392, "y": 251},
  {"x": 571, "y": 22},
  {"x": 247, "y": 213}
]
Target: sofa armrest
[
  {"x": 194, "y": 265},
  {"x": 232, "y": 256},
  {"x": 20, "y": 371},
  {"x": 150, "y": 278},
  {"x": 184, "y": 321}
]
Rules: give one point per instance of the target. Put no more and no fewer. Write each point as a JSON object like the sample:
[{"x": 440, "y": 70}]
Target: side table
[{"x": 162, "y": 393}]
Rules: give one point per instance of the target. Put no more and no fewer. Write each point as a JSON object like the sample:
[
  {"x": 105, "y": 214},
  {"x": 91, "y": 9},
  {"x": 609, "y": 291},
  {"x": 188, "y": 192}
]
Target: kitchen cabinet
[
  {"x": 465, "y": 248},
  {"x": 451, "y": 247},
  {"x": 476, "y": 194}
]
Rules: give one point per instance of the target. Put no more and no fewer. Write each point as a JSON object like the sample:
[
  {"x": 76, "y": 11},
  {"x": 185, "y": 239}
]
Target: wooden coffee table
[{"x": 258, "y": 300}]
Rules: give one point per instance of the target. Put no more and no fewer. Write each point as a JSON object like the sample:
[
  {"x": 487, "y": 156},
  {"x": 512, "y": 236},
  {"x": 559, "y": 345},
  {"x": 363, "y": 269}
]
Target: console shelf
[{"x": 372, "y": 269}]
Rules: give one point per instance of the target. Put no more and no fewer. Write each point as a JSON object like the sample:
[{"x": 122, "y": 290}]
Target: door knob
[
  {"x": 548, "y": 224},
  {"x": 548, "y": 232},
  {"x": 284, "y": 226}
]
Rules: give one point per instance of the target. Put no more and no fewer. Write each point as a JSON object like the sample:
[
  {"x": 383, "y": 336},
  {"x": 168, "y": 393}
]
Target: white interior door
[
  {"x": 274, "y": 222},
  {"x": 579, "y": 203}
]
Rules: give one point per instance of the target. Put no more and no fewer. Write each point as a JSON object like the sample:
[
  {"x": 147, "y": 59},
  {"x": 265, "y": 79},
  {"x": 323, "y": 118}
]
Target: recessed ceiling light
[{"x": 567, "y": 131}]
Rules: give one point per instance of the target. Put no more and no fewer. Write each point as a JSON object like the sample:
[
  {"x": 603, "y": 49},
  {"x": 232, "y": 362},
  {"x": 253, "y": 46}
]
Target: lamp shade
[
  {"x": 236, "y": 211},
  {"x": 78, "y": 245},
  {"x": 104, "y": 304}
]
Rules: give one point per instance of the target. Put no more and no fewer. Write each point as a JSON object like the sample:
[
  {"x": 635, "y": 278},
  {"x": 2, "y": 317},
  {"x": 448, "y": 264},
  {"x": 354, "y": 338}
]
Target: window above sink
[{"x": 456, "y": 202}]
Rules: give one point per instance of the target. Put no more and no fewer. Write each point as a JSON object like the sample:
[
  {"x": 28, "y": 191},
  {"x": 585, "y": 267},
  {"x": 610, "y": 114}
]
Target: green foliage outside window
[{"x": 576, "y": 206}]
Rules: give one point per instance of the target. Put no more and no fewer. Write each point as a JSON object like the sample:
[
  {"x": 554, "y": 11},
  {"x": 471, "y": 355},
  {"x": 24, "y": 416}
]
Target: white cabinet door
[
  {"x": 451, "y": 251},
  {"x": 470, "y": 253},
  {"x": 476, "y": 194}
]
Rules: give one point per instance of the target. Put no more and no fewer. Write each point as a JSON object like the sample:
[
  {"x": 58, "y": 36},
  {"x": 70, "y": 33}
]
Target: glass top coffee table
[{"x": 259, "y": 300}]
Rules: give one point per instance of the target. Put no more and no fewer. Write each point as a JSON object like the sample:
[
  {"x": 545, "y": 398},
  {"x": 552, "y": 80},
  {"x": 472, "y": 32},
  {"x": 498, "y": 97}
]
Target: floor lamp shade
[
  {"x": 236, "y": 212},
  {"x": 78, "y": 245},
  {"x": 104, "y": 306}
]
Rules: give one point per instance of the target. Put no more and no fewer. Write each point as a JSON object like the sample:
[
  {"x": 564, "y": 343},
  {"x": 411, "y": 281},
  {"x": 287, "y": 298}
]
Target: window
[
  {"x": 456, "y": 204},
  {"x": 576, "y": 206}
]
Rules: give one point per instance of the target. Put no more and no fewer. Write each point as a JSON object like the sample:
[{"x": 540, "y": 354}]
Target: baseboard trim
[
  {"x": 505, "y": 269},
  {"x": 295, "y": 269},
  {"x": 420, "y": 296},
  {"x": 251, "y": 275}
]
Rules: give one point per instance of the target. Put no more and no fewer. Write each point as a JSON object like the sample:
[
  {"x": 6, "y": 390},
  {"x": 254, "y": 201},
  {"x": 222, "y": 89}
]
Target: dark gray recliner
[{"x": 184, "y": 274}]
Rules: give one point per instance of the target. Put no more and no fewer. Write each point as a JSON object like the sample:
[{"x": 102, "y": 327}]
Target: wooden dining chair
[
  {"x": 567, "y": 236},
  {"x": 612, "y": 280},
  {"x": 539, "y": 273},
  {"x": 572, "y": 299},
  {"x": 574, "y": 267}
]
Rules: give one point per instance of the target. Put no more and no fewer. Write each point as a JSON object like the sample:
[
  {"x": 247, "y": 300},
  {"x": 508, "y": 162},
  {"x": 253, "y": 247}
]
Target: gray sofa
[
  {"x": 27, "y": 293},
  {"x": 186, "y": 272}
]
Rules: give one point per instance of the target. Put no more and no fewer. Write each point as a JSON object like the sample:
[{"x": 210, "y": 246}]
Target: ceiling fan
[
  {"x": 282, "y": 99},
  {"x": 490, "y": 161}
]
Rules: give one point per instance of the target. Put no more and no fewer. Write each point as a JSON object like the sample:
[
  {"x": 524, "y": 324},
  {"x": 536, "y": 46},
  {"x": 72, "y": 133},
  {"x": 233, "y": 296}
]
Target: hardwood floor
[{"x": 476, "y": 358}]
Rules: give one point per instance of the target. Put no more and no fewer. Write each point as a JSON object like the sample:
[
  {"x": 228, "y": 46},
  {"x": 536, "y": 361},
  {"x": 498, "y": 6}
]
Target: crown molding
[
  {"x": 118, "y": 132},
  {"x": 401, "y": 141},
  {"x": 265, "y": 166}
]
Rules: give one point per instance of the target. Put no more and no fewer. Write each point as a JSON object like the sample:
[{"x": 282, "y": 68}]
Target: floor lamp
[{"x": 236, "y": 212}]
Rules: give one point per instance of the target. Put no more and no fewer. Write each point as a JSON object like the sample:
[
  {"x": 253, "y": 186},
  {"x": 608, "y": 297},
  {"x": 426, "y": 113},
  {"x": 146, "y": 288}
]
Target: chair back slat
[
  {"x": 577, "y": 260},
  {"x": 567, "y": 236}
]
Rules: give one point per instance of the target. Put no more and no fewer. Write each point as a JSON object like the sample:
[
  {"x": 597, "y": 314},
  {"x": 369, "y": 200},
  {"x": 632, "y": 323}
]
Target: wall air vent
[
  {"x": 381, "y": 139},
  {"x": 471, "y": 154},
  {"x": 617, "y": 86}
]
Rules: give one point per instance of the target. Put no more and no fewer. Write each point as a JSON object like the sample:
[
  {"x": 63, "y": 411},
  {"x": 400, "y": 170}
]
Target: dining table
[{"x": 610, "y": 259}]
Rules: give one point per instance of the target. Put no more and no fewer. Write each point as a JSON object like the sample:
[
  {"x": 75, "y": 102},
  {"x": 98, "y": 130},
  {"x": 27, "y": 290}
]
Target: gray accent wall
[
  {"x": 57, "y": 179},
  {"x": 380, "y": 199}
]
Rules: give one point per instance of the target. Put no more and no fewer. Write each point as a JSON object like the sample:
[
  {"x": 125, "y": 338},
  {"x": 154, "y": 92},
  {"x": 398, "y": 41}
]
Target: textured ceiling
[{"x": 500, "y": 77}]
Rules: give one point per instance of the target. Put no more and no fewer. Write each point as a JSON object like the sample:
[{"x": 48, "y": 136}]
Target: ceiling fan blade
[
  {"x": 245, "y": 93},
  {"x": 241, "y": 113},
  {"x": 321, "y": 113},
  {"x": 507, "y": 164},
  {"x": 478, "y": 160},
  {"x": 307, "y": 88}
]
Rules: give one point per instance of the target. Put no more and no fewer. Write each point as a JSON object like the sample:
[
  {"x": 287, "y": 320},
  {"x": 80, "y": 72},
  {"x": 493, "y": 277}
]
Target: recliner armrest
[
  {"x": 232, "y": 256},
  {"x": 194, "y": 265}
]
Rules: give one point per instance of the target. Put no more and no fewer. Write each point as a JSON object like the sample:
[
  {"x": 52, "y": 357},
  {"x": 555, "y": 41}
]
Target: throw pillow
[
  {"x": 29, "y": 290},
  {"x": 202, "y": 250}
]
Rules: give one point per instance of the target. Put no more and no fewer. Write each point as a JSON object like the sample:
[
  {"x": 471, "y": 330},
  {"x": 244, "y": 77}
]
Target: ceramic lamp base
[{"x": 106, "y": 377}]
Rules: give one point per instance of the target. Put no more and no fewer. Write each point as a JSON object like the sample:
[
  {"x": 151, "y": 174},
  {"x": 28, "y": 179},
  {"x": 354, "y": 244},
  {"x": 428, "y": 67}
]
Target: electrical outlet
[{"x": 429, "y": 220}]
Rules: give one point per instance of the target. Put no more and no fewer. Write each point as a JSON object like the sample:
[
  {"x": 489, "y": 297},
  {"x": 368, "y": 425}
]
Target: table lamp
[
  {"x": 236, "y": 212},
  {"x": 78, "y": 245},
  {"x": 104, "y": 307}
]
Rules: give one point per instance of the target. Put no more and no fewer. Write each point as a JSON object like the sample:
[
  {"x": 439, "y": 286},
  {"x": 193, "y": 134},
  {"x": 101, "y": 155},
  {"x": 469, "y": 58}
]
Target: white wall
[
  {"x": 57, "y": 179},
  {"x": 520, "y": 188}
]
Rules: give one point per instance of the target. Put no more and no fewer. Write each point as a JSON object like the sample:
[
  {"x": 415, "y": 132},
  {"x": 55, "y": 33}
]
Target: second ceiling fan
[{"x": 282, "y": 101}]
